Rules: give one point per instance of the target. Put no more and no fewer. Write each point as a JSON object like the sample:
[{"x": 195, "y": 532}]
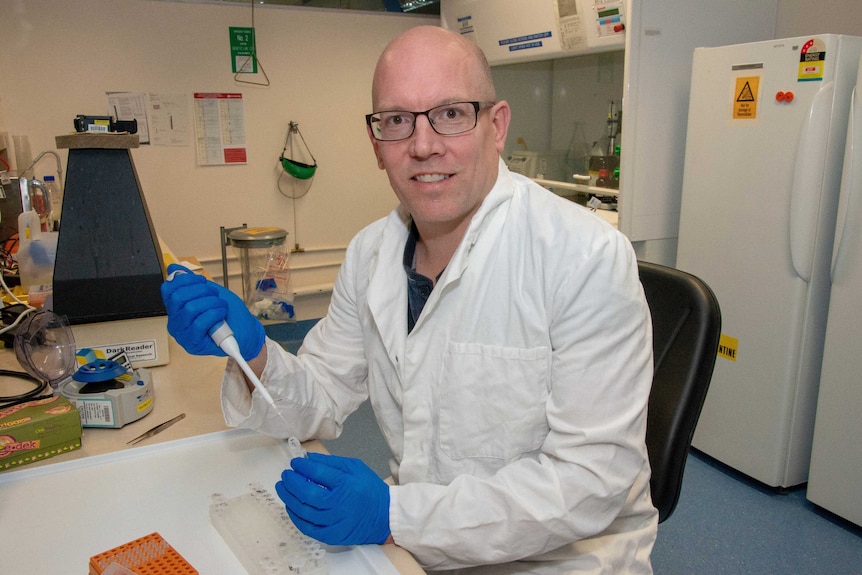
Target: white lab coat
[{"x": 515, "y": 409}]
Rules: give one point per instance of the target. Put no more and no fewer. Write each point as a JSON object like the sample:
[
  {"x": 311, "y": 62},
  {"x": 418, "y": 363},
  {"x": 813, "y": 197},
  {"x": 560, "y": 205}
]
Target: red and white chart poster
[{"x": 220, "y": 129}]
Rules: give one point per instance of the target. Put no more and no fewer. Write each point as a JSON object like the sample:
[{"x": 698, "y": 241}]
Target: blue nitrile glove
[
  {"x": 196, "y": 306},
  {"x": 336, "y": 500}
]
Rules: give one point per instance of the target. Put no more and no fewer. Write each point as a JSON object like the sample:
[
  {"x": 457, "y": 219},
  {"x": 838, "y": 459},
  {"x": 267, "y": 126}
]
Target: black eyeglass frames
[{"x": 447, "y": 120}]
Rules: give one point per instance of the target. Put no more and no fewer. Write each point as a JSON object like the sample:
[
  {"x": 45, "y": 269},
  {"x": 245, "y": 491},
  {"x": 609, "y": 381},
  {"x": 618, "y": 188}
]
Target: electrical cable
[
  {"x": 35, "y": 393},
  {"x": 8, "y": 264},
  {"x": 14, "y": 297},
  {"x": 21, "y": 316},
  {"x": 8, "y": 248},
  {"x": 41, "y": 385}
]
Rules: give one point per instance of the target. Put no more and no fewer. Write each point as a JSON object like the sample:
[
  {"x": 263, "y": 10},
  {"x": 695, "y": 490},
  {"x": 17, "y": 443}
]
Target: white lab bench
[{"x": 61, "y": 511}]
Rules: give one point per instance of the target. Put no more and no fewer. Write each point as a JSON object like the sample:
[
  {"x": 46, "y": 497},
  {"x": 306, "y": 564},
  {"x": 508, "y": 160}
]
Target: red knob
[
  {"x": 784, "y": 96},
  {"x": 619, "y": 27}
]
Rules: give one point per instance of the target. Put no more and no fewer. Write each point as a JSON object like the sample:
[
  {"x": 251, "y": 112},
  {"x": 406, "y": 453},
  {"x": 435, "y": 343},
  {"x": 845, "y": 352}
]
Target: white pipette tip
[{"x": 223, "y": 337}]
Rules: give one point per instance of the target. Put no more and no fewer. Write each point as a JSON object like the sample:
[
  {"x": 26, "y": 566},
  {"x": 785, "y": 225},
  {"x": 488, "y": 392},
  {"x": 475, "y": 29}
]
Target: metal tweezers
[{"x": 157, "y": 429}]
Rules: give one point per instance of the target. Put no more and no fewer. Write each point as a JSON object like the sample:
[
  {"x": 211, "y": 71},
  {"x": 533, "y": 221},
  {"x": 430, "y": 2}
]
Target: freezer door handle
[
  {"x": 808, "y": 176},
  {"x": 851, "y": 186}
]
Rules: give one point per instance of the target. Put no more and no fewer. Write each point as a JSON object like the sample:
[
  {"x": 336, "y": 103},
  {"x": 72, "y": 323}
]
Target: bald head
[
  {"x": 441, "y": 178},
  {"x": 410, "y": 53}
]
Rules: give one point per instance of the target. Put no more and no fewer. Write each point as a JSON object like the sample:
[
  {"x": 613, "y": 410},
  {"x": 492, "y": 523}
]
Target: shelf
[{"x": 572, "y": 187}]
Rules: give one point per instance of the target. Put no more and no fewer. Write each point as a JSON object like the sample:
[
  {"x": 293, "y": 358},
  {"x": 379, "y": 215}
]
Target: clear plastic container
[
  {"x": 37, "y": 251},
  {"x": 264, "y": 259},
  {"x": 56, "y": 198}
]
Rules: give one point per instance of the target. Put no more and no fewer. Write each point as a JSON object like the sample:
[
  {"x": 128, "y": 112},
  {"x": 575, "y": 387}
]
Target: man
[{"x": 499, "y": 331}]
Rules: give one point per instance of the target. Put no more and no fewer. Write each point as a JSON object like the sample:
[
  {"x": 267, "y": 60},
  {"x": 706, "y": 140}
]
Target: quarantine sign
[
  {"x": 745, "y": 98},
  {"x": 727, "y": 347}
]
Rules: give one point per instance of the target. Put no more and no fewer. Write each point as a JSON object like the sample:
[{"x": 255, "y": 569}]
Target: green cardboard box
[{"x": 37, "y": 430}]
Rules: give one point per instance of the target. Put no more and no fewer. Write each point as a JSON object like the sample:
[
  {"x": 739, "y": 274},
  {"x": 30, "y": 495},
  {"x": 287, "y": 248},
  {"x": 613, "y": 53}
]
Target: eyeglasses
[{"x": 446, "y": 120}]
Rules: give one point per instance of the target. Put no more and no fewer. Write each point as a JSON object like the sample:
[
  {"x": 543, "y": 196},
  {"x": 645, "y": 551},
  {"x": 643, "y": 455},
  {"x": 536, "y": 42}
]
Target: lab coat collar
[
  {"x": 387, "y": 290},
  {"x": 492, "y": 209},
  {"x": 387, "y": 285}
]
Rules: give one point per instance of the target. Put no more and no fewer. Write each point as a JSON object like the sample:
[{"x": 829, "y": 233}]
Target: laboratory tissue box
[{"x": 37, "y": 430}]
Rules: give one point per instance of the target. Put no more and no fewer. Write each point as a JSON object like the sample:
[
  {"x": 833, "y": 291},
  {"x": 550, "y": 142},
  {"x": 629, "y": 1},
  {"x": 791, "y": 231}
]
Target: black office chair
[{"x": 686, "y": 321}]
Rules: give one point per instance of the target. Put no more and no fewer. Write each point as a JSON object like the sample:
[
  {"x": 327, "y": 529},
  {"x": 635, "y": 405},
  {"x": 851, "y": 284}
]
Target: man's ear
[
  {"x": 501, "y": 114},
  {"x": 376, "y": 145}
]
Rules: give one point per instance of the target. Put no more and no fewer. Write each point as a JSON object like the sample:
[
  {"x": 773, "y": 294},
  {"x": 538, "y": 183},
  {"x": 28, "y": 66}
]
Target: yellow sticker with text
[
  {"x": 745, "y": 98},
  {"x": 727, "y": 347},
  {"x": 812, "y": 58}
]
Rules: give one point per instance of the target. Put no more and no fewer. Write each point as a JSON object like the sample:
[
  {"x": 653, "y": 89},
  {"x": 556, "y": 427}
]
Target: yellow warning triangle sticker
[
  {"x": 746, "y": 95},
  {"x": 745, "y": 105}
]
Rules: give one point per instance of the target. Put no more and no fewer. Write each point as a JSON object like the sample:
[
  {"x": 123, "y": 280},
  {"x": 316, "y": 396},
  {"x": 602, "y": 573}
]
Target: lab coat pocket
[{"x": 492, "y": 400}]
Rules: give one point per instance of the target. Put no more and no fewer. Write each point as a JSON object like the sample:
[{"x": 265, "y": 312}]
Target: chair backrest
[{"x": 686, "y": 321}]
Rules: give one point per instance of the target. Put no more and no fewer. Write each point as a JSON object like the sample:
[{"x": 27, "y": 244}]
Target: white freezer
[
  {"x": 835, "y": 480},
  {"x": 759, "y": 201}
]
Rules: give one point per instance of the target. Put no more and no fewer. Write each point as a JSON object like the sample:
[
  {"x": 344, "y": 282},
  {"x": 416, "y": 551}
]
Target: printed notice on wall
[
  {"x": 220, "y": 129},
  {"x": 242, "y": 51},
  {"x": 130, "y": 106},
  {"x": 572, "y": 34},
  {"x": 170, "y": 124},
  {"x": 163, "y": 119}
]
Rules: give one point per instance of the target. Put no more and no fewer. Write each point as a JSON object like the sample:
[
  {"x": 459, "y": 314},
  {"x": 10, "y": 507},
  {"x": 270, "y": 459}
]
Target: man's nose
[{"x": 425, "y": 139}]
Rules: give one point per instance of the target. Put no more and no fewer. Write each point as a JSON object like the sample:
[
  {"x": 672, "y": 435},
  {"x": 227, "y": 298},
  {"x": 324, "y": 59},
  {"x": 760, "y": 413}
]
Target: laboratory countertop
[
  {"x": 187, "y": 384},
  {"x": 572, "y": 190}
]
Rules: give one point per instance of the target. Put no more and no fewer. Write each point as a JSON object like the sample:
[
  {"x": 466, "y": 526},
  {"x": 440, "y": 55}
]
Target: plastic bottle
[
  {"x": 56, "y": 196},
  {"x": 37, "y": 251}
]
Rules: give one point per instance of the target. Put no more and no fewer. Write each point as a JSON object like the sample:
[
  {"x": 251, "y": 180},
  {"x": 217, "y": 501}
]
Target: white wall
[
  {"x": 58, "y": 58},
  {"x": 804, "y": 17}
]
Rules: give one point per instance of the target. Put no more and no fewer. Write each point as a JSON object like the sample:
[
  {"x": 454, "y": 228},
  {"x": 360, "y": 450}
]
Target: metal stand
[{"x": 225, "y": 241}]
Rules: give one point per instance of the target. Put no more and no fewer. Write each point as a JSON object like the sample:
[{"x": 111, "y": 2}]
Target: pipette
[{"x": 222, "y": 336}]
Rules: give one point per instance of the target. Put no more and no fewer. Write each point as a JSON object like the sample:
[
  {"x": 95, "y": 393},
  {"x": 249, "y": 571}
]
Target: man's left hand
[{"x": 336, "y": 500}]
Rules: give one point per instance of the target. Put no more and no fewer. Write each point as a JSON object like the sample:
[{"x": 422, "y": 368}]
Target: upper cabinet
[
  {"x": 512, "y": 31},
  {"x": 559, "y": 62}
]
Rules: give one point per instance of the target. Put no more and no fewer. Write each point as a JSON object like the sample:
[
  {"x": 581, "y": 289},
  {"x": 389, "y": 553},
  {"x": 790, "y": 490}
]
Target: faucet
[{"x": 39, "y": 157}]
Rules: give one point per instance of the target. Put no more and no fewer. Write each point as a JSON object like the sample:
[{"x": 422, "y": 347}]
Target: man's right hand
[{"x": 196, "y": 306}]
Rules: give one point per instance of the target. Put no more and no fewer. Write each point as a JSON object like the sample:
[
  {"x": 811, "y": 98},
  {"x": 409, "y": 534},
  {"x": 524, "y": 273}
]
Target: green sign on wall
[{"x": 242, "y": 51}]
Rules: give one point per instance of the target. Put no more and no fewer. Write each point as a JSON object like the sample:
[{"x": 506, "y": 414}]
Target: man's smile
[{"x": 430, "y": 178}]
